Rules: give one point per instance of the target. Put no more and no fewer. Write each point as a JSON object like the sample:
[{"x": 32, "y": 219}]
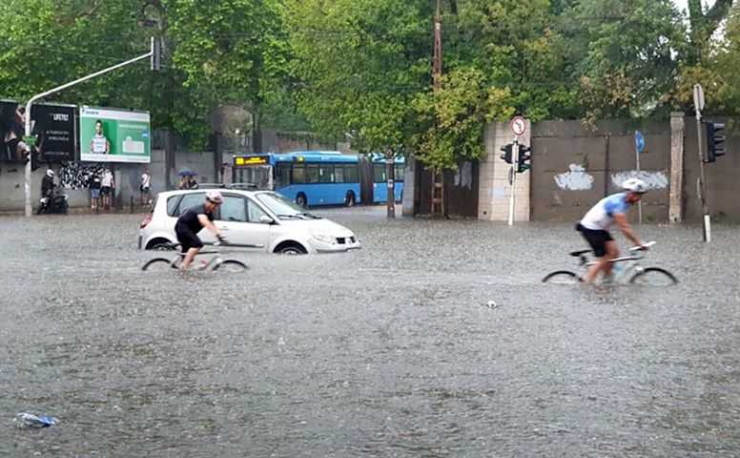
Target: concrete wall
[
  {"x": 572, "y": 167},
  {"x": 128, "y": 179}
]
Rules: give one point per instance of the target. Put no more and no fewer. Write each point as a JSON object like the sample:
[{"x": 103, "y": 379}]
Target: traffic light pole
[
  {"x": 514, "y": 165},
  {"x": 28, "y": 206},
  {"x": 707, "y": 223}
]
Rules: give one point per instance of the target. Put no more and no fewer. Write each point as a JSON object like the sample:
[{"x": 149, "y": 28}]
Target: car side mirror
[{"x": 264, "y": 219}]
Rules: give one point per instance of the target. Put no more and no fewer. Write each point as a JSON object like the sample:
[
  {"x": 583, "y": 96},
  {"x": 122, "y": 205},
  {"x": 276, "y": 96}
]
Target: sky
[{"x": 682, "y": 4}]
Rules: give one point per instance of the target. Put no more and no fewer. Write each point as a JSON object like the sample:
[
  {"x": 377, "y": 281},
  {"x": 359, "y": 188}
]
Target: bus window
[
  {"x": 299, "y": 174},
  {"x": 312, "y": 173},
  {"x": 400, "y": 169},
  {"x": 282, "y": 175},
  {"x": 339, "y": 174},
  {"x": 379, "y": 173},
  {"x": 350, "y": 174},
  {"x": 325, "y": 173}
]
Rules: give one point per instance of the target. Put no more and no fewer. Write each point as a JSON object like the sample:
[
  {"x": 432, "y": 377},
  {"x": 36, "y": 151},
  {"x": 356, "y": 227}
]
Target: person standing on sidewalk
[
  {"x": 145, "y": 187},
  {"x": 108, "y": 184},
  {"x": 95, "y": 185}
]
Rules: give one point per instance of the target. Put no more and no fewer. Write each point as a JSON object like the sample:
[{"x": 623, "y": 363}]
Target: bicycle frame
[
  {"x": 177, "y": 261},
  {"x": 629, "y": 269}
]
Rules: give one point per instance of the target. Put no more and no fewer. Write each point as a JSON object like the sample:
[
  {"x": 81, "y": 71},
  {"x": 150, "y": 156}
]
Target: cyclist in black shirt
[{"x": 192, "y": 221}]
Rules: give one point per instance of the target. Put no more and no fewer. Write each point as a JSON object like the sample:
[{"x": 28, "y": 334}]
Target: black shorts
[
  {"x": 187, "y": 238},
  {"x": 596, "y": 239},
  {"x": 105, "y": 190}
]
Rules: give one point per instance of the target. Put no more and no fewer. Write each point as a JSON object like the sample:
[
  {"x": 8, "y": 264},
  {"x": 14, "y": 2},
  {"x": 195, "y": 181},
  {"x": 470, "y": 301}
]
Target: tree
[
  {"x": 361, "y": 65},
  {"x": 232, "y": 51},
  {"x": 631, "y": 56},
  {"x": 48, "y": 43}
]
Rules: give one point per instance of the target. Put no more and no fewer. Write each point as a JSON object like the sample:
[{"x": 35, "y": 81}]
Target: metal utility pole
[
  {"x": 150, "y": 54},
  {"x": 514, "y": 164},
  {"x": 437, "y": 64},
  {"x": 699, "y": 105}
]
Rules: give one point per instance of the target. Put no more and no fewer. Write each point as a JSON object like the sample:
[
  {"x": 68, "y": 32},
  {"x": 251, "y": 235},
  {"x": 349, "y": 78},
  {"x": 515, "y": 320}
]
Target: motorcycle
[{"x": 55, "y": 203}]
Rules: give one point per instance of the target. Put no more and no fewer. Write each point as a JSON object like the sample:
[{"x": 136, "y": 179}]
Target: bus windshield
[{"x": 283, "y": 207}]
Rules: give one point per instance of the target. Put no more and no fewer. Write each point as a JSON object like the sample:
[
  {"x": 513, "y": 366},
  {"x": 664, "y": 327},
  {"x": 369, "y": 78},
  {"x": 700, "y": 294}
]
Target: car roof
[{"x": 221, "y": 190}]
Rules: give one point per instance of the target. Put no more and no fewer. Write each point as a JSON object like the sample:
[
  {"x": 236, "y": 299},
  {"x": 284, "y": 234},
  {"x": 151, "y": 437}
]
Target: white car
[{"x": 257, "y": 220}]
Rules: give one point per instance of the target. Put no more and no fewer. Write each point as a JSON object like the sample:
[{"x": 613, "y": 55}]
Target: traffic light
[
  {"x": 715, "y": 140},
  {"x": 508, "y": 153},
  {"x": 156, "y": 57},
  {"x": 524, "y": 157}
]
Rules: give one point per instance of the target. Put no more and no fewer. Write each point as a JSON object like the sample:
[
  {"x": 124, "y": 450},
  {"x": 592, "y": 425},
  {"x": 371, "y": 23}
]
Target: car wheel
[
  {"x": 162, "y": 246},
  {"x": 291, "y": 249}
]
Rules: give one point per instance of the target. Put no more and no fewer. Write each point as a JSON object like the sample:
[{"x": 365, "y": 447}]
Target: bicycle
[
  {"x": 216, "y": 263},
  {"x": 633, "y": 271}
]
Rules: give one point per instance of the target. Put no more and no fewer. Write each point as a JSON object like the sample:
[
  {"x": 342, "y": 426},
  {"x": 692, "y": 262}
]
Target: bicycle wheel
[
  {"x": 654, "y": 276},
  {"x": 562, "y": 277},
  {"x": 158, "y": 265},
  {"x": 231, "y": 265}
]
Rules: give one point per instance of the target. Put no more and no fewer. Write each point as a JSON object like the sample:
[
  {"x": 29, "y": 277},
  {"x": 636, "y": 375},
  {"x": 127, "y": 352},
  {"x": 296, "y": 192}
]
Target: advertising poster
[
  {"x": 54, "y": 128},
  {"x": 111, "y": 135},
  {"x": 12, "y": 148}
]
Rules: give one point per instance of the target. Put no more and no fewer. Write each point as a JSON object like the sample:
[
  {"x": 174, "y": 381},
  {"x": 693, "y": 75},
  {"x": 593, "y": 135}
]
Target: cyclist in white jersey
[{"x": 596, "y": 223}]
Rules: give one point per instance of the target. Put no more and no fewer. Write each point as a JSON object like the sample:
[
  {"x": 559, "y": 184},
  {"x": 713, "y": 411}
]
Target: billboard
[
  {"x": 111, "y": 135},
  {"x": 53, "y": 126},
  {"x": 11, "y": 132}
]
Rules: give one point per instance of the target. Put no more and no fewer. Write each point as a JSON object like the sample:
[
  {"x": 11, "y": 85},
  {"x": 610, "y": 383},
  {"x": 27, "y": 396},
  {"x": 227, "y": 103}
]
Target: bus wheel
[
  {"x": 300, "y": 199},
  {"x": 350, "y": 200}
]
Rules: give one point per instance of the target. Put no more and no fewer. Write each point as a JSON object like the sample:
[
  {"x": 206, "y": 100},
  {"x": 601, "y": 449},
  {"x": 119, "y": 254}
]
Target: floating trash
[{"x": 28, "y": 420}]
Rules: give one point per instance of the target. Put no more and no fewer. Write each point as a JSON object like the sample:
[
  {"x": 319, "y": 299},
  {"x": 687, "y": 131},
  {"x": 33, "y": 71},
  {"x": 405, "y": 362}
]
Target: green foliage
[
  {"x": 361, "y": 64},
  {"x": 455, "y": 115}
]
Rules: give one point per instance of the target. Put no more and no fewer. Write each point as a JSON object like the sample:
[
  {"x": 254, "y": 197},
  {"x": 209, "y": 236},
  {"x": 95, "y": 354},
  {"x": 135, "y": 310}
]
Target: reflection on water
[{"x": 390, "y": 351}]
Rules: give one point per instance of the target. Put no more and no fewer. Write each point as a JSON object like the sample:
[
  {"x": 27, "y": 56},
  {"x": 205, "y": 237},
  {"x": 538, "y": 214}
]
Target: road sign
[
  {"x": 698, "y": 97},
  {"x": 518, "y": 126},
  {"x": 639, "y": 141}
]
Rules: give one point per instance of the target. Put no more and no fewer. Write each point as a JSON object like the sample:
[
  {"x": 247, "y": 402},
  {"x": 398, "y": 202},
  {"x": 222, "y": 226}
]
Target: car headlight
[{"x": 324, "y": 238}]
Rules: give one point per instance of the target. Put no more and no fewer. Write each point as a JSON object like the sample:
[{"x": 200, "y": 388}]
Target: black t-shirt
[
  {"x": 189, "y": 219},
  {"x": 95, "y": 182}
]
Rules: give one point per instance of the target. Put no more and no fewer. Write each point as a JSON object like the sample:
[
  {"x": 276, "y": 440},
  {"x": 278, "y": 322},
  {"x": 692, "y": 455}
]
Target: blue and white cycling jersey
[{"x": 601, "y": 216}]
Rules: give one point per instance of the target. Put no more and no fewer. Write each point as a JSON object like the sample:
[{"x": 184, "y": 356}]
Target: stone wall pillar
[{"x": 675, "y": 205}]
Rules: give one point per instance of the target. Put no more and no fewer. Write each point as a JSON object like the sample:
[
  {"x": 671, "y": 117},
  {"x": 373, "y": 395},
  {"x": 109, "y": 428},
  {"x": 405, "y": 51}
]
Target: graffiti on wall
[
  {"x": 575, "y": 179},
  {"x": 74, "y": 175},
  {"x": 653, "y": 179}
]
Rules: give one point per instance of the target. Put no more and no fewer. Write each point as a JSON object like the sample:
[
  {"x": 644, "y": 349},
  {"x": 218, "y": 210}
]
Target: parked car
[{"x": 257, "y": 220}]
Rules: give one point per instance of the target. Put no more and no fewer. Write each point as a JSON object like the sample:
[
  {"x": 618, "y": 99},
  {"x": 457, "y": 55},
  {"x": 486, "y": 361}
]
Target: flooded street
[{"x": 437, "y": 339}]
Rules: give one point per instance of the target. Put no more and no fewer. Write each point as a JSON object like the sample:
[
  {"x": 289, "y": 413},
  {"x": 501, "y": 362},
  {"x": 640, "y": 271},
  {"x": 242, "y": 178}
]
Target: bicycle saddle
[{"x": 579, "y": 253}]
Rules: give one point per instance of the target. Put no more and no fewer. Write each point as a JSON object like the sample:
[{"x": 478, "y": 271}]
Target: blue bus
[
  {"x": 318, "y": 178},
  {"x": 380, "y": 178}
]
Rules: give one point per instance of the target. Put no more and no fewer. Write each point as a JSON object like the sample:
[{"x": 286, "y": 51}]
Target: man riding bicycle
[
  {"x": 193, "y": 221},
  {"x": 595, "y": 224}
]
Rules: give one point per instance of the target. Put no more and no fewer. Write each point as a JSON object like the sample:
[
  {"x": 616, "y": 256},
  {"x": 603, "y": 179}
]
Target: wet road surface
[{"x": 393, "y": 351}]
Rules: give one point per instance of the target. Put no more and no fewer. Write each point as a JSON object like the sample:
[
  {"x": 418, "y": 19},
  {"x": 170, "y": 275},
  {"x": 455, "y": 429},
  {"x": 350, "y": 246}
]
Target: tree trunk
[
  {"x": 256, "y": 131},
  {"x": 391, "y": 183}
]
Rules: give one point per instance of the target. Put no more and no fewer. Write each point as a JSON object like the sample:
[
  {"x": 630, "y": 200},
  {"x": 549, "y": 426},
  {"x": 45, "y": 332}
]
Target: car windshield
[{"x": 283, "y": 207}]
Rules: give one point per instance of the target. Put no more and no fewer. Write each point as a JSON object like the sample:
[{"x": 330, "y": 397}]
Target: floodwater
[{"x": 393, "y": 351}]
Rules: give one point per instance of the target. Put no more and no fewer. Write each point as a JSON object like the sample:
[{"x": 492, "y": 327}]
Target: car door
[{"x": 233, "y": 219}]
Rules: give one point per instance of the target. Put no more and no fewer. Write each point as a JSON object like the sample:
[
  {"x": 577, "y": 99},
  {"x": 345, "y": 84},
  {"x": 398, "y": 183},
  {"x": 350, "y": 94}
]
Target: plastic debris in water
[{"x": 29, "y": 420}]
